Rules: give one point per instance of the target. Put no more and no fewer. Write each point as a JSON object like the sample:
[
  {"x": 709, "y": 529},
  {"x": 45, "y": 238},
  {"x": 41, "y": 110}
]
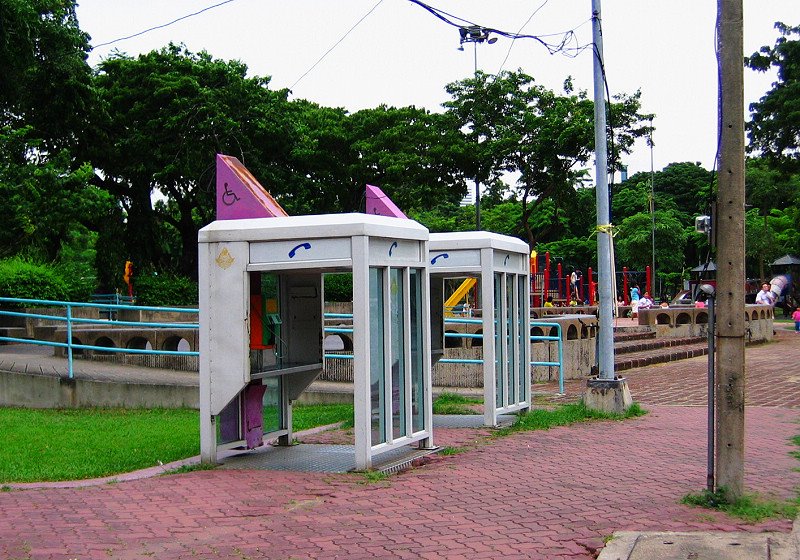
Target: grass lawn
[{"x": 71, "y": 444}]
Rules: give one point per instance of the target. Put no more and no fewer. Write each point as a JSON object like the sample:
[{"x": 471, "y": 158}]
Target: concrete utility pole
[
  {"x": 605, "y": 392},
  {"x": 730, "y": 256}
]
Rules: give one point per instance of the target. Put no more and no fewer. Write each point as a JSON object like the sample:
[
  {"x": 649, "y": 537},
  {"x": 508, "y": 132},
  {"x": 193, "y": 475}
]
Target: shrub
[
  {"x": 22, "y": 279},
  {"x": 164, "y": 290},
  {"x": 339, "y": 287}
]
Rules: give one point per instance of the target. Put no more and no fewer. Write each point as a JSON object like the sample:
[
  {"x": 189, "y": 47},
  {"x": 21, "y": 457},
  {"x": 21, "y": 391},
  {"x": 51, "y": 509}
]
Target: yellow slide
[{"x": 459, "y": 294}]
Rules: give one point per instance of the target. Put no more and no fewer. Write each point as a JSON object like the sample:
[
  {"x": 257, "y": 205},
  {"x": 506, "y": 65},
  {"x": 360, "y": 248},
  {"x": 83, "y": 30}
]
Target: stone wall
[{"x": 686, "y": 321}]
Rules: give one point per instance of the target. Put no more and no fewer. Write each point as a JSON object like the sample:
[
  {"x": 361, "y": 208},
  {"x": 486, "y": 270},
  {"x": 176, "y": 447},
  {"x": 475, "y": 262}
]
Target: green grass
[
  {"x": 191, "y": 468},
  {"x": 305, "y": 416},
  {"x": 451, "y": 450},
  {"x": 749, "y": 507},
  {"x": 450, "y": 403},
  {"x": 564, "y": 415},
  {"x": 72, "y": 444},
  {"x": 374, "y": 477}
]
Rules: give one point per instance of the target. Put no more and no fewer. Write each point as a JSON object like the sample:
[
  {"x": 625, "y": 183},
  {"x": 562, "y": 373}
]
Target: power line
[
  {"x": 552, "y": 48},
  {"x": 148, "y": 30},
  {"x": 336, "y": 44},
  {"x": 511, "y": 46}
]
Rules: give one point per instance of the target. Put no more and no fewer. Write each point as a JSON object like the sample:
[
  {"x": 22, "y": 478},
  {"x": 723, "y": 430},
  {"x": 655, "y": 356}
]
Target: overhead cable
[{"x": 148, "y": 30}]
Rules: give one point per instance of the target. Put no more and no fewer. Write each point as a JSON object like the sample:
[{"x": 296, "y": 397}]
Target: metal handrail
[
  {"x": 70, "y": 320},
  {"x": 465, "y": 321}
]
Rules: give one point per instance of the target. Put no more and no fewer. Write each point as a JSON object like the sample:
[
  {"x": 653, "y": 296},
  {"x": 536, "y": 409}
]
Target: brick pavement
[{"x": 551, "y": 494}]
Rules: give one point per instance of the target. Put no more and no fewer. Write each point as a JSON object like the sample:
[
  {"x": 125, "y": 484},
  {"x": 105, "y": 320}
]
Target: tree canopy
[
  {"x": 116, "y": 162},
  {"x": 774, "y": 127}
]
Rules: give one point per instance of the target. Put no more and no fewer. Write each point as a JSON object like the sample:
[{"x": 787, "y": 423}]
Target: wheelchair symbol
[{"x": 229, "y": 198}]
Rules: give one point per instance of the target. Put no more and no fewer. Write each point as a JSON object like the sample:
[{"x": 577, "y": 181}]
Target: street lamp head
[{"x": 492, "y": 41}]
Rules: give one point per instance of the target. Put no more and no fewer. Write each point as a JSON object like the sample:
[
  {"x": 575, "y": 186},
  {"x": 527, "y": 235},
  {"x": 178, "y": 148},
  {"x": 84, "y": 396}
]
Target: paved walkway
[{"x": 548, "y": 495}]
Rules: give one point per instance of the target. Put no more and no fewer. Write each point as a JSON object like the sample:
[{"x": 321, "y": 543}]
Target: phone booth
[
  {"x": 501, "y": 266},
  {"x": 261, "y": 327}
]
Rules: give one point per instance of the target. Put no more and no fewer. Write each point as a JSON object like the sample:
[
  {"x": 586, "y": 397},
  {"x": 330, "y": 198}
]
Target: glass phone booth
[
  {"x": 501, "y": 266},
  {"x": 261, "y": 327}
]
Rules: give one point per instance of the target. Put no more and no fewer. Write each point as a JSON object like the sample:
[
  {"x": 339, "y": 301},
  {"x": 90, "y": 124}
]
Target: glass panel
[
  {"x": 398, "y": 357},
  {"x": 376, "y": 357},
  {"x": 273, "y": 415},
  {"x": 511, "y": 367},
  {"x": 417, "y": 357},
  {"x": 523, "y": 326},
  {"x": 498, "y": 341}
]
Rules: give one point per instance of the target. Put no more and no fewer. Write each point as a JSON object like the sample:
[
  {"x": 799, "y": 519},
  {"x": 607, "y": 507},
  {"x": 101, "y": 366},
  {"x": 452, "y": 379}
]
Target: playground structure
[{"x": 557, "y": 289}]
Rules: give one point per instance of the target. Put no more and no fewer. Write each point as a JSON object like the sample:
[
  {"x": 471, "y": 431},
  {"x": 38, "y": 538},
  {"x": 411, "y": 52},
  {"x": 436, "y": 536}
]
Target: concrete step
[
  {"x": 14, "y": 332},
  {"x": 660, "y": 356},
  {"x": 625, "y": 336},
  {"x": 640, "y": 345}
]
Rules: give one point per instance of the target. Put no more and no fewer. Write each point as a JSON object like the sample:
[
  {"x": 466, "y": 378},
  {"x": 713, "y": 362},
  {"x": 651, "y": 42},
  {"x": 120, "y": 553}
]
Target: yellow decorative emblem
[{"x": 225, "y": 259}]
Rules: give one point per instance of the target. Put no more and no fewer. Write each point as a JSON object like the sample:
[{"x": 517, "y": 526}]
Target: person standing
[
  {"x": 635, "y": 301},
  {"x": 573, "y": 285},
  {"x": 765, "y": 296},
  {"x": 796, "y": 319}
]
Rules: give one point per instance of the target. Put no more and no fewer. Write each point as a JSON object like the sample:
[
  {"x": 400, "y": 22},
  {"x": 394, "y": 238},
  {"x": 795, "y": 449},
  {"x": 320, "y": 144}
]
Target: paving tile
[{"x": 550, "y": 494}]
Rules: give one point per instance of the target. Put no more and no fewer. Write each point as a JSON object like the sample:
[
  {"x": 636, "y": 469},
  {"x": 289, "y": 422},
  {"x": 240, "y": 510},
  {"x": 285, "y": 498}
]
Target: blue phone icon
[{"x": 293, "y": 252}]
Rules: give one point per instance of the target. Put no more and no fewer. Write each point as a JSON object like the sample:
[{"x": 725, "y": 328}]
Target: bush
[
  {"x": 165, "y": 290},
  {"x": 339, "y": 287},
  {"x": 22, "y": 279}
]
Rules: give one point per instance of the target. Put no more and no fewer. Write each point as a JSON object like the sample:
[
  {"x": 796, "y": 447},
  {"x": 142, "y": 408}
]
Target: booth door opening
[
  {"x": 510, "y": 313},
  {"x": 396, "y": 353}
]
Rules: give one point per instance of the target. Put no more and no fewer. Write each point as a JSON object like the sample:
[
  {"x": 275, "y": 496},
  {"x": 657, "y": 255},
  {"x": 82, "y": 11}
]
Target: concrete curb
[{"x": 707, "y": 545}]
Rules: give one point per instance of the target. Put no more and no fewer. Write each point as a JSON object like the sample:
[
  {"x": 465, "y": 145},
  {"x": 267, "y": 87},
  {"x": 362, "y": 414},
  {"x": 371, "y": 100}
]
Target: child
[{"x": 796, "y": 318}]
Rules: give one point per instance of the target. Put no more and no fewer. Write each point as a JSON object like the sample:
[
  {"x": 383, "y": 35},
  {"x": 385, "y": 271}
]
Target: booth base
[
  {"x": 307, "y": 457},
  {"x": 469, "y": 420}
]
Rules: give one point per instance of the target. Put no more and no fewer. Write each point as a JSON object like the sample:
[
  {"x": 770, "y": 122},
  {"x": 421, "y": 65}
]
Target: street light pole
[
  {"x": 476, "y": 34},
  {"x": 653, "y": 215}
]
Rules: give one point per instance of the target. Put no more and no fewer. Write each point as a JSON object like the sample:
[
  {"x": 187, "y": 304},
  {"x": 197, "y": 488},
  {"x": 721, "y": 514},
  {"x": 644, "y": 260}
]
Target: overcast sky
[{"x": 401, "y": 55}]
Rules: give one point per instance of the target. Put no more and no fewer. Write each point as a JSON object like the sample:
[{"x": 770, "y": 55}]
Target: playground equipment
[
  {"x": 558, "y": 288},
  {"x": 501, "y": 264},
  {"x": 267, "y": 273},
  {"x": 458, "y": 295}
]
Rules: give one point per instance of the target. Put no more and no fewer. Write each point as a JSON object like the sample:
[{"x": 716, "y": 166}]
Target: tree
[
  {"x": 412, "y": 154},
  {"x": 45, "y": 199},
  {"x": 167, "y": 113},
  {"x": 633, "y": 243},
  {"x": 767, "y": 191},
  {"x": 774, "y": 127},
  {"x": 517, "y": 126},
  {"x": 45, "y": 83}
]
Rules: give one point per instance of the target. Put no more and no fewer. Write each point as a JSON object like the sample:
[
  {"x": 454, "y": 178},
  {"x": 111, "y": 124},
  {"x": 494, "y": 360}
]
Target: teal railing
[
  {"x": 70, "y": 321},
  {"x": 453, "y": 320}
]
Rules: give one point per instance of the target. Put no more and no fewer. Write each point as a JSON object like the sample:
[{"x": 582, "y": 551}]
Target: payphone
[{"x": 261, "y": 325}]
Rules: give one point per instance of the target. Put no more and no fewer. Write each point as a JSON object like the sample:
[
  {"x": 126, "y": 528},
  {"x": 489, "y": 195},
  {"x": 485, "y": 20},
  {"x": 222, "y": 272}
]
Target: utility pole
[
  {"x": 605, "y": 392},
  {"x": 730, "y": 387},
  {"x": 606, "y": 320}
]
